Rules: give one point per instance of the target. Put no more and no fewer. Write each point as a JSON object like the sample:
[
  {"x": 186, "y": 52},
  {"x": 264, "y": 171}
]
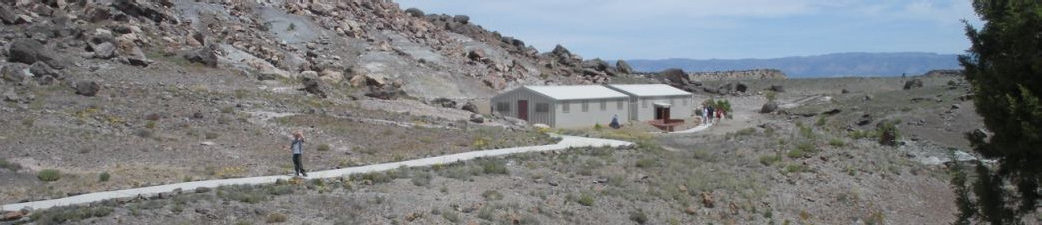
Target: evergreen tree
[{"x": 1004, "y": 67}]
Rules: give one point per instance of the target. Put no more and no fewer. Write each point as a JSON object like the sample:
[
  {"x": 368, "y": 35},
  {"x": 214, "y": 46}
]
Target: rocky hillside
[
  {"x": 369, "y": 47},
  {"x": 756, "y": 74}
]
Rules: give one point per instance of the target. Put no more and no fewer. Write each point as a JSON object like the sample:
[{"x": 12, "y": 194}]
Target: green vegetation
[
  {"x": 639, "y": 216},
  {"x": 494, "y": 167},
  {"x": 104, "y": 177},
  {"x": 64, "y": 214},
  {"x": 1003, "y": 69},
  {"x": 585, "y": 199},
  {"x": 10, "y": 165},
  {"x": 888, "y": 133},
  {"x": 49, "y": 175},
  {"x": 276, "y": 218},
  {"x": 768, "y": 160},
  {"x": 324, "y": 147}
]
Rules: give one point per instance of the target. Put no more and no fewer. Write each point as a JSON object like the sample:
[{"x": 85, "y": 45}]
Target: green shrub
[
  {"x": 771, "y": 96},
  {"x": 150, "y": 124},
  {"x": 888, "y": 133},
  {"x": 49, "y": 175},
  {"x": 276, "y": 218},
  {"x": 422, "y": 179},
  {"x": 212, "y": 135},
  {"x": 324, "y": 147},
  {"x": 768, "y": 160},
  {"x": 228, "y": 109},
  {"x": 10, "y": 165},
  {"x": 64, "y": 214},
  {"x": 836, "y": 142},
  {"x": 494, "y": 167},
  {"x": 597, "y": 127},
  {"x": 585, "y": 199},
  {"x": 104, "y": 177},
  {"x": 646, "y": 163},
  {"x": 796, "y": 168},
  {"x": 803, "y": 150}
]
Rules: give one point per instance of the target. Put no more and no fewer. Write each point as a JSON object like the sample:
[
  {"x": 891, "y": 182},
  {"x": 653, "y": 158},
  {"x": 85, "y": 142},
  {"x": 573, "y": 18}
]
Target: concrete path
[
  {"x": 565, "y": 143},
  {"x": 696, "y": 129}
]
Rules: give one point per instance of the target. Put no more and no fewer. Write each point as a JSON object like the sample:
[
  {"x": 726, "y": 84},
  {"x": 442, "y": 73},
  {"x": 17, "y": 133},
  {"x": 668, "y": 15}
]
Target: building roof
[
  {"x": 577, "y": 92},
  {"x": 649, "y": 90}
]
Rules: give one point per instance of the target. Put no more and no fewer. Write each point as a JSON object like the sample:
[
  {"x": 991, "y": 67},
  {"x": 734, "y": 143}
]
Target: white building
[
  {"x": 563, "y": 106},
  {"x": 656, "y": 101}
]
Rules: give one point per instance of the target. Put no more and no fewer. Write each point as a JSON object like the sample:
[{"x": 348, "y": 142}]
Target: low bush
[
  {"x": 49, "y": 175},
  {"x": 104, "y": 177},
  {"x": 494, "y": 167},
  {"x": 639, "y": 216},
  {"x": 10, "y": 165},
  {"x": 64, "y": 214},
  {"x": 324, "y": 147},
  {"x": 492, "y": 195},
  {"x": 768, "y": 160},
  {"x": 276, "y": 218},
  {"x": 585, "y": 199}
]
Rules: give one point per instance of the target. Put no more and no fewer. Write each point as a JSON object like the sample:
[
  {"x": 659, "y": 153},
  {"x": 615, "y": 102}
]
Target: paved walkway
[
  {"x": 565, "y": 143},
  {"x": 695, "y": 129}
]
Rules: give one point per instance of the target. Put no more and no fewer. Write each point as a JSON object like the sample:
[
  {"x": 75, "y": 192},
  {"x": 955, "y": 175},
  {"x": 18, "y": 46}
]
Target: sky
[{"x": 720, "y": 29}]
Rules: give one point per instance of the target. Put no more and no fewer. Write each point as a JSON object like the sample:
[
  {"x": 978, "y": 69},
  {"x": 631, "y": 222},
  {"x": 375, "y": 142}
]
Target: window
[
  {"x": 542, "y": 107},
  {"x": 644, "y": 103},
  {"x": 565, "y": 107},
  {"x": 586, "y": 106},
  {"x": 503, "y": 106},
  {"x": 604, "y": 105},
  {"x": 619, "y": 104}
]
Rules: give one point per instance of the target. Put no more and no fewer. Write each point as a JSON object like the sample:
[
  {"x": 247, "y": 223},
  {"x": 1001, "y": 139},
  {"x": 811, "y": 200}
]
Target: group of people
[{"x": 712, "y": 115}]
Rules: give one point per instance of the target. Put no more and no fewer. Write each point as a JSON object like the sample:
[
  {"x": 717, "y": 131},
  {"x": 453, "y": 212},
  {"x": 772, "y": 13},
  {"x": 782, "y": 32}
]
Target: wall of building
[
  {"x": 677, "y": 110},
  {"x": 576, "y": 118},
  {"x": 512, "y": 97}
]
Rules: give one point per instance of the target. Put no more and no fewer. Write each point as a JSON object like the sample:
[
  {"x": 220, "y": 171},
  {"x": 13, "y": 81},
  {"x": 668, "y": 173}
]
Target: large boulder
[
  {"x": 477, "y": 118},
  {"x": 769, "y": 107},
  {"x": 414, "y": 12},
  {"x": 470, "y": 107},
  {"x": 914, "y": 83},
  {"x": 675, "y": 77},
  {"x": 205, "y": 55},
  {"x": 623, "y": 67},
  {"x": 313, "y": 85},
  {"x": 105, "y": 50},
  {"x": 596, "y": 64},
  {"x": 87, "y": 88},
  {"x": 7, "y": 15},
  {"x": 28, "y": 51}
]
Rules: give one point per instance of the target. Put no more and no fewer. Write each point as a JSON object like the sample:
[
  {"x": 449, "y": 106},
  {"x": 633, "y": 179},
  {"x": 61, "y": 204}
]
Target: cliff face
[
  {"x": 757, "y": 74},
  {"x": 368, "y": 45}
]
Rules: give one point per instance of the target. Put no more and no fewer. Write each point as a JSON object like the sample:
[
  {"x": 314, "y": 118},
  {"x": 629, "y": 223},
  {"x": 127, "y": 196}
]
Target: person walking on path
[
  {"x": 711, "y": 115},
  {"x": 297, "y": 146}
]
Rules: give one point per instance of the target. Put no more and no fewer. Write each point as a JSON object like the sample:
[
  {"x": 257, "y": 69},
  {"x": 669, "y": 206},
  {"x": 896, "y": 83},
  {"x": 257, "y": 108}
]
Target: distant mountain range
[{"x": 830, "y": 65}]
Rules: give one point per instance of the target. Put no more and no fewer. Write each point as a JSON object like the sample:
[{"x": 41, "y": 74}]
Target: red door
[{"x": 522, "y": 109}]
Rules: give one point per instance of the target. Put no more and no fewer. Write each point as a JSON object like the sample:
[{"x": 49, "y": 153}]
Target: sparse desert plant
[
  {"x": 598, "y": 127},
  {"x": 771, "y": 96},
  {"x": 585, "y": 199},
  {"x": 423, "y": 179},
  {"x": 212, "y": 135},
  {"x": 150, "y": 124},
  {"x": 888, "y": 133},
  {"x": 492, "y": 195},
  {"x": 10, "y": 165},
  {"x": 228, "y": 110},
  {"x": 276, "y": 218},
  {"x": 324, "y": 147},
  {"x": 768, "y": 160},
  {"x": 836, "y": 142},
  {"x": 646, "y": 162},
  {"x": 64, "y": 214},
  {"x": 28, "y": 122},
  {"x": 496, "y": 166},
  {"x": 104, "y": 177},
  {"x": 49, "y": 175},
  {"x": 450, "y": 215}
]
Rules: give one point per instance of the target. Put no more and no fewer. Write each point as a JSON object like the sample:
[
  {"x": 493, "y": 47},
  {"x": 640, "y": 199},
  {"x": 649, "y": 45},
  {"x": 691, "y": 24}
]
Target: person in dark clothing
[
  {"x": 711, "y": 114},
  {"x": 615, "y": 122},
  {"x": 297, "y": 148}
]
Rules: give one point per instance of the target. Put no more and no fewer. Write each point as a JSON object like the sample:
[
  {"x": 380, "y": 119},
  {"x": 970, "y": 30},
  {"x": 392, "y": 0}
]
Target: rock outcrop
[{"x": 757, "y": 74}]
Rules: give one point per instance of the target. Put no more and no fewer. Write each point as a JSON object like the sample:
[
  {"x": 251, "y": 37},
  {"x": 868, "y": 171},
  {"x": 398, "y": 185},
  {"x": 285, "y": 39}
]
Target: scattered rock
[
  {"x": 414, "y": 12},
  {"x": 444, "y": 102},
  {"x": 464, "y": 19},
  {"x": 41, "y": 69},
  {"x": 13, "y": 215},
  {"x": 8, "y": 16},
  {"x": 777, "y": 88},
  {"x": 914, "y": 83},
  {"x": 28, "y": 51},
  {"x": 470, "y": 107},
  {"x": 979, "y": 134},
  {"x": 105, "y": 50},
  {"x": 87, "y": 88},
  {"x": 385, "y": 92},
  {"x": 769, "y": 107},
  {"x": 14, "y": 72},
  {"x": 201, "y": 190},
  {"x": 832, "y": 112},
  {"x": 623, "y": 67},
  {"x": 707, "y": 200},
  {"x": 955, "y": 106},
  {"x": 207, "y": 143},
  {"x": 477, "y": 118},
  {"x": 312, "y": 84},
  {"x": 844, "y": 91},
  {"x": 206, "y": 56}
]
